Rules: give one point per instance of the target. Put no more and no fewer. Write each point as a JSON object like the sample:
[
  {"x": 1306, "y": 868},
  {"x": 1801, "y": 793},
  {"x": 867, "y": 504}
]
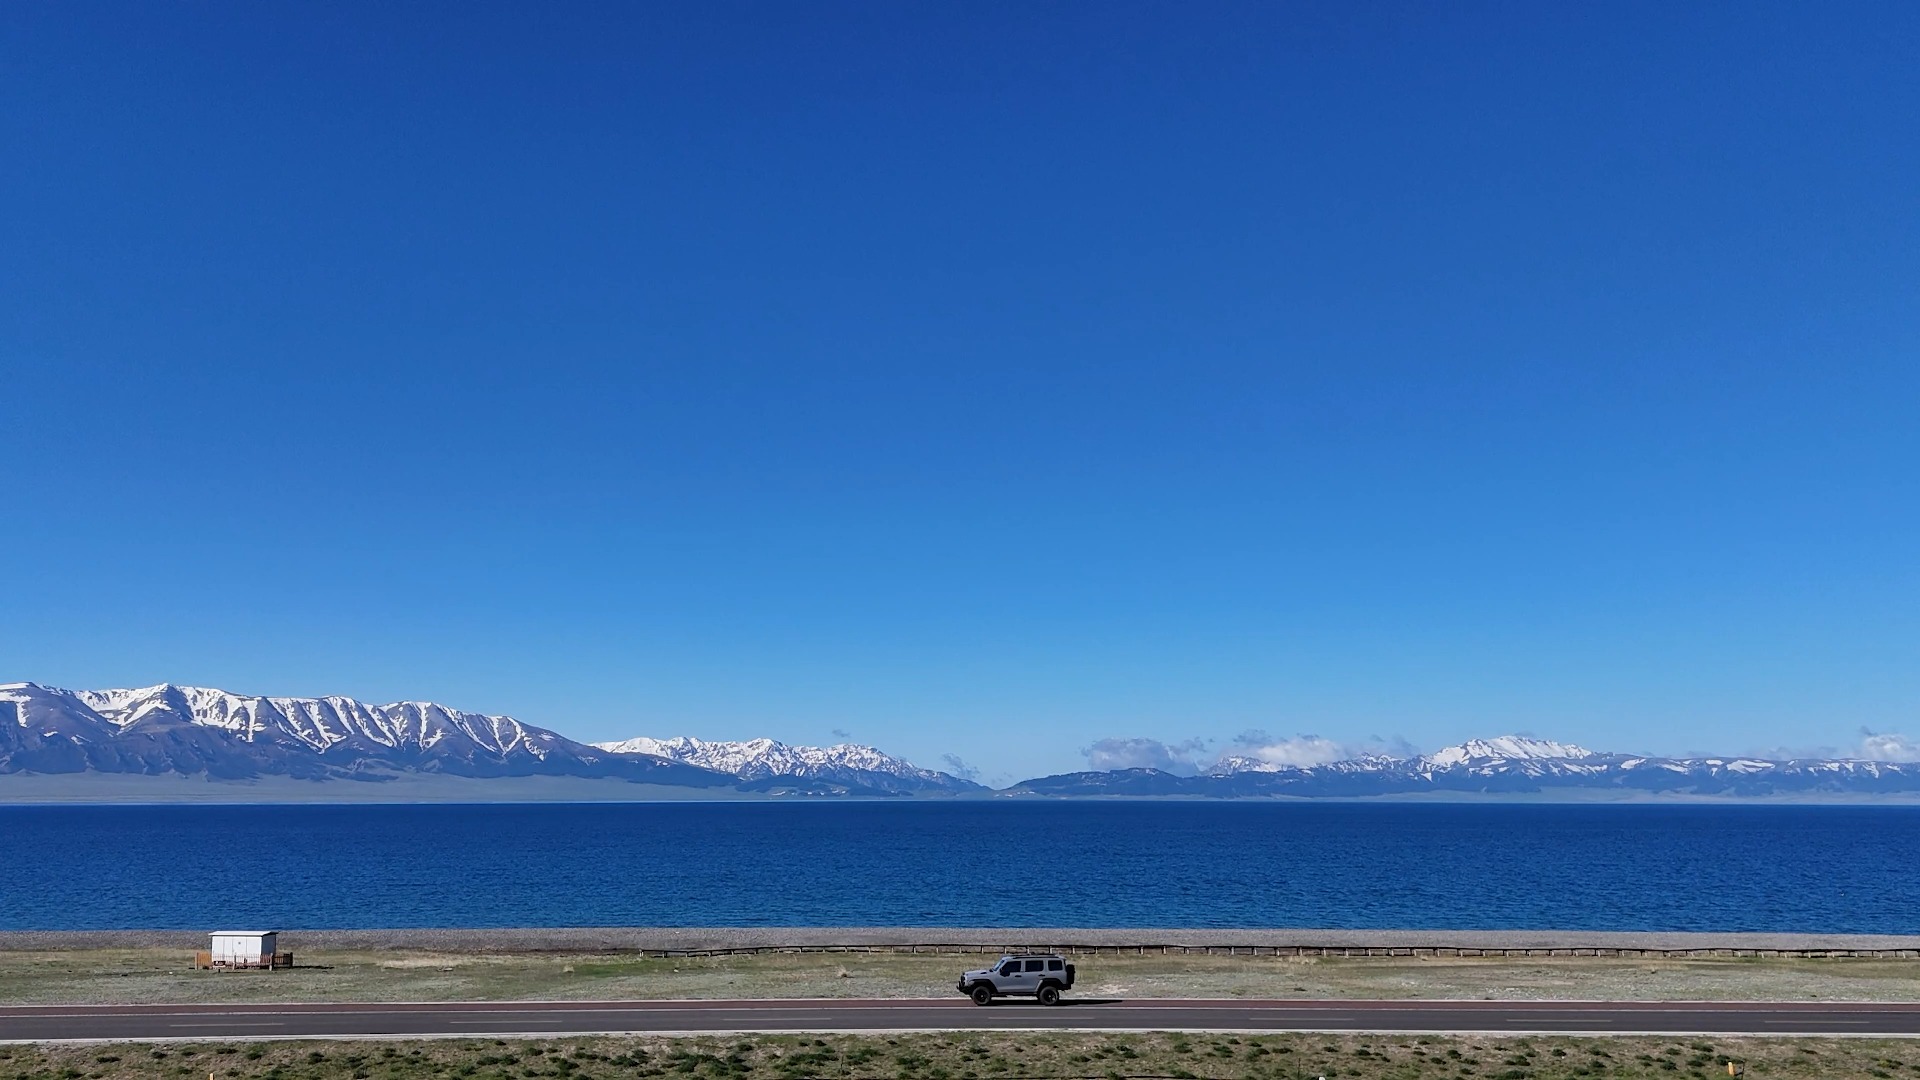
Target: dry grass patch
[
  {"x": 131, "y": 976},
  {"x": 974, "y": 1056}
]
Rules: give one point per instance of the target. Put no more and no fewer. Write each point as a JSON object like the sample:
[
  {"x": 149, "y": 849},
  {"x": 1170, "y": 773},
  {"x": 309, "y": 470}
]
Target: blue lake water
[{"x": 1119, "y": 864}]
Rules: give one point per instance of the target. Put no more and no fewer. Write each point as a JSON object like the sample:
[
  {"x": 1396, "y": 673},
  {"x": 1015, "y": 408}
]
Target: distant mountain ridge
[
  {"x": 190, "y": 730},
  {"x": 767, "y": 759},
  {"x": 1509, "y": 765},
  {"x": 1515, "y": 749},
  {"x": 198, "y": 731}
]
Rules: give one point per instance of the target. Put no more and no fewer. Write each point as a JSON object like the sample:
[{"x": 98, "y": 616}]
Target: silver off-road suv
[{"x": 1037, "y": 975}]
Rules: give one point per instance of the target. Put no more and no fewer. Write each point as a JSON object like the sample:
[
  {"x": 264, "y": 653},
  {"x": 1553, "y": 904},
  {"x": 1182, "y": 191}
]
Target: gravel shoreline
[{"x": 650, "y": 939}]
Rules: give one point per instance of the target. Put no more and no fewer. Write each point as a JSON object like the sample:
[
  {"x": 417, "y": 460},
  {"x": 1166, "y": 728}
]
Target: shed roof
[{"x": 242, "y": 933}]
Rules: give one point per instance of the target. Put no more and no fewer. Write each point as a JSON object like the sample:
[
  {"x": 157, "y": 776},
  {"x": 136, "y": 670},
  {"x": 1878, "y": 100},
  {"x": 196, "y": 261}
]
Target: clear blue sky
[{"x": 984, "y": 379}]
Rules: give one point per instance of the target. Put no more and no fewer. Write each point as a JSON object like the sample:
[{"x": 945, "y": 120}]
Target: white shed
[{"x": 245, "y": 947}]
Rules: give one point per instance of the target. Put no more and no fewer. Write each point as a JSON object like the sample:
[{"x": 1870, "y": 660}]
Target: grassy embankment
[
  {"x": 983, "y": 1056},
  {"x": 164, "y": 975}
]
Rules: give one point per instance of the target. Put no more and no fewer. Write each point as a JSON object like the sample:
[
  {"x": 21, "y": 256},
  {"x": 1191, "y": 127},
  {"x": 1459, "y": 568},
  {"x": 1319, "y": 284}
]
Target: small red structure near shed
[{"x": 231, "y": 949}]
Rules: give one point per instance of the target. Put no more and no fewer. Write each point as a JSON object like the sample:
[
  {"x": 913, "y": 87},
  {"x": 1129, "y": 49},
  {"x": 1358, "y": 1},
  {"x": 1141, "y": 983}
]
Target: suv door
[
  {"x": 1013, "y": 979},
  {"x": 1035, "y": 971}
]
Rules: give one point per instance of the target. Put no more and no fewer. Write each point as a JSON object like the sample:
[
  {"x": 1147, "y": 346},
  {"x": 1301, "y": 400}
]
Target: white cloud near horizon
[
  {"x": 1181, "y": 759},
  {"x": 958, "y": 766},
  {"x": 1888, "y": 746},
  {"x": 1300, "y": 751},
  {"x": 1307, "y": 750},
  {"x": 1191, "y": 756}
]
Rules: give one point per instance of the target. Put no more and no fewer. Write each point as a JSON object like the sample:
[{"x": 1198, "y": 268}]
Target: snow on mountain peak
[
  {"x": 321, "y": 723},
  {"x": 192, "y": 730},
  {"x": 167, "y": 727},
  {"x": 1507, "y": 748},
  {"x": 759, "y": 759}
]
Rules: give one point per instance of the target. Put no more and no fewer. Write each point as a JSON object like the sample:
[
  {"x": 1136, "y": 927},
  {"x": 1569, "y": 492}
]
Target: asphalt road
[{"x": 41, "y": 1023}]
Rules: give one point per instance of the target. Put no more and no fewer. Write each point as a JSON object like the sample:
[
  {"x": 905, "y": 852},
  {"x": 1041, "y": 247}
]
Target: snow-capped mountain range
[
  {"x": 1510, "y": 764},
  {"x": 193, "y": 730},
  {"x": 764, "y": 759},
  {"x": 202, "y": 732},
  {"x": 1514, "y": 752}
]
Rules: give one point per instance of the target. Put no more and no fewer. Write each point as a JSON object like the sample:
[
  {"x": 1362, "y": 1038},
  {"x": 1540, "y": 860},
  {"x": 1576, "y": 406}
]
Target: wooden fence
[
  {"x": 1290, "y": 950},
  {"x": 204, "y": 961}
]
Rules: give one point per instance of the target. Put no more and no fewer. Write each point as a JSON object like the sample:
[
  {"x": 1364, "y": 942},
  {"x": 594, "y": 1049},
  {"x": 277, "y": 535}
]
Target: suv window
[
  {"x": 1036, "y": 965},
  {"x": 1010, "y": 967},
  {"x": 1053, "y": 965}
]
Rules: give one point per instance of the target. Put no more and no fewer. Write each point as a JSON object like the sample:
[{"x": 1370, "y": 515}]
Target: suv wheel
[
  {"x": 982, "y": 994},
  {"x": 1049, "y": 995}
]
